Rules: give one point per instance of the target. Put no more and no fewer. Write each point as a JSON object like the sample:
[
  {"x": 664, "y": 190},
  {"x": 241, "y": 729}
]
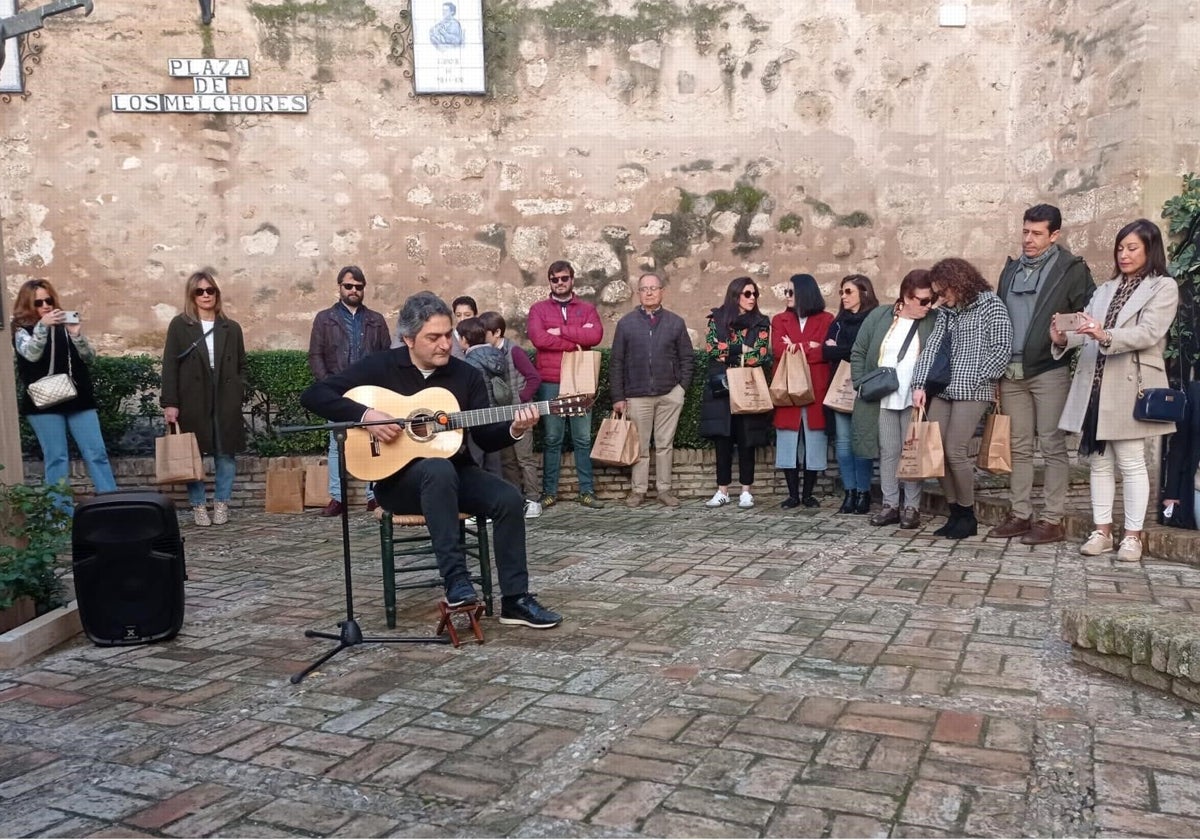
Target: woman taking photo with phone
[
  {"x": 46, "y": 346},
  {"x": 1122, "y": 336},
  {"x": 203, "y": 384}
]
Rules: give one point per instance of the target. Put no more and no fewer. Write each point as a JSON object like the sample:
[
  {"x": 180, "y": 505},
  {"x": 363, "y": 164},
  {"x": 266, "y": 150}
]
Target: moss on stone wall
[{"x": 289, "y": 12}]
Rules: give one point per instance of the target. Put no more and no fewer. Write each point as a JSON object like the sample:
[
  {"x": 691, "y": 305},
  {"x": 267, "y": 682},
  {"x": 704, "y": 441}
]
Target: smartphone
[
  {"x": 1071, "y": 321},
  {"x": 70, "y": 317}
]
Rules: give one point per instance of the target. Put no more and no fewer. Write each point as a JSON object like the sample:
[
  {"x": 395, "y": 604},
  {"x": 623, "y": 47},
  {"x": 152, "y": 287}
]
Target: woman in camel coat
[{"x": 1126, "y": 328}]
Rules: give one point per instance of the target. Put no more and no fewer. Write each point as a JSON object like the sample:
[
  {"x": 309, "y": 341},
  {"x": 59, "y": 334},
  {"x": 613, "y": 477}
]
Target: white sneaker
[
  {"x": 220, "y": 513},
  {"x": 200, "y": 516},
  {"x": 745, "y": 500},
  {"x": 532, "y": 510},
  {"x": 1097, "y": 543},
  {"x": 719, "y": 499},
  {"x": 1130, "y": 550}
]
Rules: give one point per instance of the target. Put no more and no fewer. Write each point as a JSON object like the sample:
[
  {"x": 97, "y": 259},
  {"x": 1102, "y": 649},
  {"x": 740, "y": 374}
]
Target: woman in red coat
[{"x": 801, "y": 328}]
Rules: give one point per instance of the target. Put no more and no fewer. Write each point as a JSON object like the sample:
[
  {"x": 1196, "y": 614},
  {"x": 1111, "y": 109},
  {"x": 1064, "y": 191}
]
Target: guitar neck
[{"x": 495, "y": 414}]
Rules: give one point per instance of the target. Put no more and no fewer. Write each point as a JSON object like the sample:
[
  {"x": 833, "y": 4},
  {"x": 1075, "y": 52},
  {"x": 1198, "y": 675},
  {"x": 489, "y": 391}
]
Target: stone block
[
  {"x": 647, "y": 53},
  {"x": 543, "y": 207},
  {"x": 1188, "y": 690},
  {"x": 1146, "y": 675},
  {"x": 589, "y": 257},
  {"x": 477, "y": 255}
]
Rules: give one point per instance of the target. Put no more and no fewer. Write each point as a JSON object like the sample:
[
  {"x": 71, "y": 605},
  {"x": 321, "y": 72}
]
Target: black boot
[
  {"x": 848, "y": 503},
  {"x": 950, "y": 523},
  {"x": 792, "y": 477},
  {"x": 966, "y": 524},
  {"x": 806, "y": 496},
  {"x": 864, "y": 502}
]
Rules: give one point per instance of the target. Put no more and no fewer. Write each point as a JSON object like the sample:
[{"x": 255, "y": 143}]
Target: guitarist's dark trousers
[{"x": 438, "y": 489}]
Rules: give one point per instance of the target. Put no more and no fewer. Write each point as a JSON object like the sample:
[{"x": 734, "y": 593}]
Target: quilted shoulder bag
[
  {"x": 55, "y": 388},
  {"x": 883, "y": 380},
  {"x": 1157, "y": 405}
]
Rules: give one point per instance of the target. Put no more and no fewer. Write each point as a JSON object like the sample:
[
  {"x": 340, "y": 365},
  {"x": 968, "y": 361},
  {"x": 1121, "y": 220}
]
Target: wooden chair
[{"x": 474, "y": 541}]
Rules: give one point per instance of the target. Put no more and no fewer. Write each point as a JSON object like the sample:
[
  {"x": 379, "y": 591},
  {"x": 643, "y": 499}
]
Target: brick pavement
[{"x": 721, "y": 673}]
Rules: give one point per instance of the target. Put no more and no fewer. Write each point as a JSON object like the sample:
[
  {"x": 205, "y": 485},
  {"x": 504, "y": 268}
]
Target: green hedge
[{"x": 127, "y": 395}]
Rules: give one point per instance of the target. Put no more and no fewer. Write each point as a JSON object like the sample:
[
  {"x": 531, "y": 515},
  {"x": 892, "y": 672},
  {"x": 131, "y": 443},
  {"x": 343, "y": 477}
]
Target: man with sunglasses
[
  {"x": 562, "y": 323},
  {"x": 341, "y": 335},
  {"x": 1045, "y": 279}
]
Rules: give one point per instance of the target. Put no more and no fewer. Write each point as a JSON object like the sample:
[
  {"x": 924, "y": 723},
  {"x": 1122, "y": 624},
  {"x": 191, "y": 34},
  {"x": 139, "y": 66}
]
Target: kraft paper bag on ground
[
  {"x": 748, "y": 391},
  {"x": 177, "y": 457},
  {"x": 792, "y": 382},
  {"x": 316, "y": 484},
  {"x": 617, "y": 442},
  {"x": 580, "y": 372},
  {"x": 285, "y": 490},
  {"x": 995, "y": 449},
  {"x": 841, "y": 395},
  {"x": 922, "y": 455}
]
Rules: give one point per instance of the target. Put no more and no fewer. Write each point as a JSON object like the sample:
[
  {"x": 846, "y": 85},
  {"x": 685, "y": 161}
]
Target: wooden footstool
[{"x": 471, "y": 611}]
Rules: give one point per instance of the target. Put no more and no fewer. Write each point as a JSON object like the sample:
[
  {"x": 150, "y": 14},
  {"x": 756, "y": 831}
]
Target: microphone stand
[{"x": 349, "y": 634}]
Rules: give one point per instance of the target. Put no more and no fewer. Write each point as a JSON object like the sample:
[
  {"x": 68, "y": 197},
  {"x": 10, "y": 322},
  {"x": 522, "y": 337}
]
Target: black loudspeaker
[{"x": 129, "y": 567}]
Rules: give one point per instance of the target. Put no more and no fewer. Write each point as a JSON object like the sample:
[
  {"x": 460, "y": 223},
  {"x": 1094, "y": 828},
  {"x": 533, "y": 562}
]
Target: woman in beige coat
[{"x": 1122, "y": 339}]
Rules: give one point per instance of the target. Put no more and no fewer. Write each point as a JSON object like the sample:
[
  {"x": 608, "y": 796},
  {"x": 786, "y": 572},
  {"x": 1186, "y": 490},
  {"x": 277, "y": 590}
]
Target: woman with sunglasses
[
  {"x": 892, "y": 337},
  {"x": 801, "y": 328},
  {"x": 46, "y": 344},
  {"x": 738, "y": 334},
  {"x": 203, "y": 384},
  {"x": 857, "y": 300}
]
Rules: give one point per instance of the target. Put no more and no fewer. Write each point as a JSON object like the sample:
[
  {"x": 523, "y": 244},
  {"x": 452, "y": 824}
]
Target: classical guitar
[{"x": 433, "y": 426}]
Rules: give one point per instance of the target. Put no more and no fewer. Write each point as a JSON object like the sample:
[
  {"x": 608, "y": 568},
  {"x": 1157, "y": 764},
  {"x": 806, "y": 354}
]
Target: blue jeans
[
  {"x": 226, "y": 468},
  {"x": 581, "y": 439},
  {"x": 51, "y": 431},
  {"x": 856, "y": 471},
  {"x": 335, "y": 474}
]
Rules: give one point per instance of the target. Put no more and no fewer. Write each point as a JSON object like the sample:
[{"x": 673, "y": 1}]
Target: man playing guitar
[{"x": 446, "y": 482}]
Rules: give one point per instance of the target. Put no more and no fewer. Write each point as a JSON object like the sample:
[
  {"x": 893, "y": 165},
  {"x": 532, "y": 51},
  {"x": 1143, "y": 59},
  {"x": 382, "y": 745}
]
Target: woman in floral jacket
[{"x": 738, "y": 335}]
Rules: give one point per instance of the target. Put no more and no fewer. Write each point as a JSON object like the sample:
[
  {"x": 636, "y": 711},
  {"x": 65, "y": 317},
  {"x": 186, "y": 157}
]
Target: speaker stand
[{"x": 349, "y": 634}]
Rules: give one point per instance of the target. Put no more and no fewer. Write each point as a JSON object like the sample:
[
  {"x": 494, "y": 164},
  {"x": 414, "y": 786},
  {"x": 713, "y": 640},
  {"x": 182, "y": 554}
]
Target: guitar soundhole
[{"x": 422, "y": 426}]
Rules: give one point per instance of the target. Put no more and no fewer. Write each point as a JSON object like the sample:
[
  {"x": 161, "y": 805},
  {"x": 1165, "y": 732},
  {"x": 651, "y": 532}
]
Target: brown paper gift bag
[
  {"x": 922, "y": 455},
  {"x": 617, "y": 442},
  {"x": 995, "y": 449},
  {"x": 316, "y": 484},
  {"x": 580, "y": 372},
  {"x": 792, "y": 382},
  {"x": 285, "y": 489},
  {"x": 177, "y": 457},
  {"x": 748, "y": 391},
  {"x": 841, "y": 393}
]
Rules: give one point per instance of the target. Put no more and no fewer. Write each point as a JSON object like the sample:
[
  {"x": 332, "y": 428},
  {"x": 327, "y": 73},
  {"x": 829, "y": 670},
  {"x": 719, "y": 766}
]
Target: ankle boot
[
  {"x": 864, "y": 502},
  {"x": 792, "y": 477},
  {"x": 806, "y": 496},
  {"x": 966, "y": 524},
  {"x": 848, "y": 503},
  {"x": 950, "y": 523}
]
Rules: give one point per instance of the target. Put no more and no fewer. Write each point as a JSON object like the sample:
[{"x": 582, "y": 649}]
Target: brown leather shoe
[
  {"x": 1044, "y": 532},
  {"x": 888, "y": 516},
  {"x": 910, "y": 517},
  {"x": 1011, "y": 527},
  {"x": 634, "y": 500},
  {"x": 668, "y": 499},
  {"x": 334, "y": 508}
]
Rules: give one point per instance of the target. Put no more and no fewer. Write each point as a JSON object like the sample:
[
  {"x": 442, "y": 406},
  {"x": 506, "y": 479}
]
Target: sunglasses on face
[
  {"x": 354, "y": 287},
  {"x": 560, "y": 278},
  {"x": 749, "y": 294},
  {"x": 202, "y": 291},
  {"x": 924, "y": 301},
  {"x": 788, "y": 293},
  {"x": 39, "y": 302},
  {"x": 848, "y": 291}
]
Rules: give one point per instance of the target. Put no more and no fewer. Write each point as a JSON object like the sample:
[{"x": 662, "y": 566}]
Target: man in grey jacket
[
  {"x": 1045, "y": 279},
  {"x": 341, "y": 335},
  {"x": 649, "y": 372}
]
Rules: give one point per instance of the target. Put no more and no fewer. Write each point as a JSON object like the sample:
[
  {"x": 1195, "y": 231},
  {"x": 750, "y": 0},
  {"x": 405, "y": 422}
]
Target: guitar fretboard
[{"x": 495, "y": 414}]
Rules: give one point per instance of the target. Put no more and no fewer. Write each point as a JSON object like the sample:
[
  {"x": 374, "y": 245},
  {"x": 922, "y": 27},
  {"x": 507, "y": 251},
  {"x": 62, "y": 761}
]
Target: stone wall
[{"x": 761, "y": 137}]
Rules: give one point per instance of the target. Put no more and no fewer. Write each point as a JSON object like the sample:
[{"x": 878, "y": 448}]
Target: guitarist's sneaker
[
  {"x": 589, "y": 500},
  {"x": 548, "y": 501},
  {"x": 524, "y": 609},
  {"x": 461, "y": 592},
  {"x": 532, "y": 510}
]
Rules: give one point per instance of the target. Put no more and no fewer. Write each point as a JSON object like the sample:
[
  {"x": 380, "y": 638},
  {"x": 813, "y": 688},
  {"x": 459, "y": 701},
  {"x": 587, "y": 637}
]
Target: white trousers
[{"x": 1129, "y": 456}]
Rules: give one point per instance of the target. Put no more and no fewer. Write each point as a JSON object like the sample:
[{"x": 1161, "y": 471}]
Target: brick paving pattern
[{"x": 721, "y": 673}]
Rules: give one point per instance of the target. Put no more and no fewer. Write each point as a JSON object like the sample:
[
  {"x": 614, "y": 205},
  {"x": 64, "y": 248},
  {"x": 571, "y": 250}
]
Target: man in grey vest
[{"x": 1047, "y": 278}]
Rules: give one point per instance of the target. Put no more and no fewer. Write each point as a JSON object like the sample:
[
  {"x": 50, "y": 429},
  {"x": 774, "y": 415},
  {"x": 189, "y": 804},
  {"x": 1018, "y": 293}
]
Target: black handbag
[
  {"x": 883, "y": 380},
  {"x": 718, "y": 384},
  {"x": 938, "y": 378},
  {"x": 1157, "y": 405}
]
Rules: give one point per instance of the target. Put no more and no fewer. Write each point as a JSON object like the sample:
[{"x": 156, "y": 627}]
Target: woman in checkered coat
[{"x": 975, "y": 322}]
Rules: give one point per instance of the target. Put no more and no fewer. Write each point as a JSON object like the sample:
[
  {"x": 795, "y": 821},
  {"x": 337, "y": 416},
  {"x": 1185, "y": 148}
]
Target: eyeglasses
[
  {"x": 924, "y": 301},
  {"x": 645, "y": 289},
  {"x": 848, "y": 290},
  {"x": 749, "y": 294},
  {"x": 788, "y": 293},
  {"x": 40, "y": 302},
  {"x": 561, "y": 278},
  {"x": 205, "y": 291},
  {"x": 354, "y": 287}
]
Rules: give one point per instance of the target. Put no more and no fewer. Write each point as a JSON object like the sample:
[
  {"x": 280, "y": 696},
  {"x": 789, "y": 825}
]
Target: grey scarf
[{"x": 1029, "y": 273}]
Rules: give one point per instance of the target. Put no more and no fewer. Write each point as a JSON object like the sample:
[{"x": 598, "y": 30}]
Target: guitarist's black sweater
[{"x": 394, "y": 370}]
